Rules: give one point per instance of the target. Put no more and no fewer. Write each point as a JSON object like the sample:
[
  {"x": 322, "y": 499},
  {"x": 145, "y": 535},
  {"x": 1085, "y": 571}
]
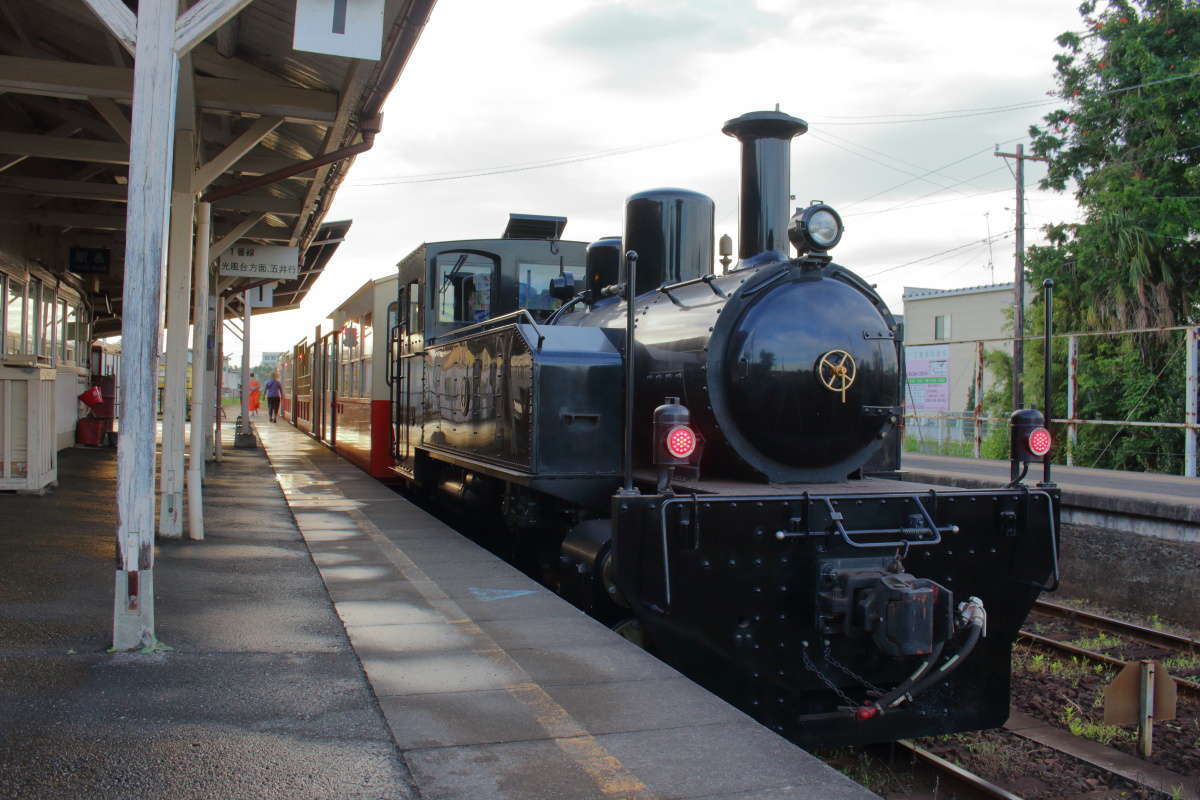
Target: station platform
[
  {"x": 1151, "y": 495},
  {"x": 332, "y": 640}
]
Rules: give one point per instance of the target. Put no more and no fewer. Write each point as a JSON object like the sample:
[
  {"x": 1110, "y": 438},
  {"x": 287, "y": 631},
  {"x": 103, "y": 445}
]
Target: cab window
[
  {"x": 533, "y": 284},
  {"x": 465, "y": 287}
]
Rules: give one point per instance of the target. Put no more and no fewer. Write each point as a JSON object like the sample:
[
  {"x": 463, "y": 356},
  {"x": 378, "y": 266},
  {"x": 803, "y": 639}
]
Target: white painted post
[
  {"x": 1146, "y": 681},
  {"x": 199, "y": 359},
  {"x": 212, "y": 363},
  {"x": 155, "y": 78},
  {"x": 245, "y": 438},
  {"x": 1192, "y": 387},
  {"x": 219, "y": 327},
  {"x": 179, "y": 286},
  {"x": 1072, "y": 388}
]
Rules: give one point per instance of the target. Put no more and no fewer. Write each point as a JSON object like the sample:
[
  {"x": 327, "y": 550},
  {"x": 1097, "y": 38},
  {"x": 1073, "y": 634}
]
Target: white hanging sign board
[
  {"x": 259, "y": 261},
  {"x": 928, "y": 368},
  {"x": 261, "y": 296},
  {"x": 351, "y": 28}
]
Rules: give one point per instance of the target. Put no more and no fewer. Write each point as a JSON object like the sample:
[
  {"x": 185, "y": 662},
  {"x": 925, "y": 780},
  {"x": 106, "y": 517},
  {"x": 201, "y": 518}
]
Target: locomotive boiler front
[
  {"x": 803, "y": 374},
  {"x": 790, "y": 367}
]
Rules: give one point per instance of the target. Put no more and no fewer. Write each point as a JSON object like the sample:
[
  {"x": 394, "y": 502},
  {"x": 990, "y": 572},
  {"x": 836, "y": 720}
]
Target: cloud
[{"x": 638, "y": 46}]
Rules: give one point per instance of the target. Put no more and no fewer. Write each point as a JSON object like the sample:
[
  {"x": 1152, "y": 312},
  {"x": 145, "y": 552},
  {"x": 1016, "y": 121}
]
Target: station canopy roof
[{"x": 66, "y": 86}]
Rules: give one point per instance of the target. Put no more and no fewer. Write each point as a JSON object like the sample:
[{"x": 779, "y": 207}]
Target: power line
[
  {"x": 963, "y": 113},
  {"x": 937, "y": 169},
  {"x": 909, "y": 203},
  {"x": 437, "y": 177},
  {"x": 972, "y": 243}
]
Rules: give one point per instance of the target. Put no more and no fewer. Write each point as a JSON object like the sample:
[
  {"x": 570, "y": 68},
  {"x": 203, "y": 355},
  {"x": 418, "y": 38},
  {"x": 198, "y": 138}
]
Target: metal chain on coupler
[
  {"x": 829, "y": 659},
  {"x": 833, "y": 687}
]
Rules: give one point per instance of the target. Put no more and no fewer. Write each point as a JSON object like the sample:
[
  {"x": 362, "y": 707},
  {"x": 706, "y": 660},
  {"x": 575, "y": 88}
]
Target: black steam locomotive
[{"x": 711, "y": 463}]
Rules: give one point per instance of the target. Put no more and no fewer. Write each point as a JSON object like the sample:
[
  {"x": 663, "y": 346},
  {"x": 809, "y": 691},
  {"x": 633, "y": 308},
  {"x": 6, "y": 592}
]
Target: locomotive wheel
[{"x": 631, "y": 629}]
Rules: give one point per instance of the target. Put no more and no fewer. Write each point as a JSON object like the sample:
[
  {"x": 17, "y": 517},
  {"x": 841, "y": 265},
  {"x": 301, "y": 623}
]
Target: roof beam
[
  {"x": 84, "y": 81},
  {"x": 233, "y": 152},
  {"x": 266, "y": 203},
  {"x": 34, "y": 146},
  {"x": 119, "y": 20},
  {"x": 333, "y": 137},
  {"x": 66, "y": 219},
  {"x": 211, "y": 60},
  {"x": 202, "y": 19},
  {"x": 236, "y": 232},
  {"x": 227, "y": 38},
  {"x": 85, "y": 190},
  {"x": 113, "y": 115},
  {"x": 30, "y": 145},
  {"x": 53, "y": 187},
  {"x": 65, "y": 129},
  {"x": 250, "y": 228}
]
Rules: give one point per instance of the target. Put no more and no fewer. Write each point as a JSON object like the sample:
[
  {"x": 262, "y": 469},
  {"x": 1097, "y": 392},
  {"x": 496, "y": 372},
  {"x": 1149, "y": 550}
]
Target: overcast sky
[{"x": 900, "y": 97}]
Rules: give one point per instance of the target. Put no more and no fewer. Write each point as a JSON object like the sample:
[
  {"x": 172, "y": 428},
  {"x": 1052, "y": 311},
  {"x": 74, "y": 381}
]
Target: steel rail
[
  {"x": 1184, "y": 685},
  {"x": 969, "y": 780},
  {"x": 1113, "y": 625}
]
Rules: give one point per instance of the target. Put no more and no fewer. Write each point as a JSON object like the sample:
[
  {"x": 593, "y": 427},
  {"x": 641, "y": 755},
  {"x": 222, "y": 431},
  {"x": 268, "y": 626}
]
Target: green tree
[{"x": 1127, "y": 142}]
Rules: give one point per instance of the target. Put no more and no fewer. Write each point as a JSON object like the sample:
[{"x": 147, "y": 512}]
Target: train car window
[
  {"x": 47, "y": 323},
  {"x": 365, "y": 353},
  {"x": 465, "y": 284},
  {"x": 533, "y": 284},
  {"x": 414, "y": 307},
  {"x": 60, "y": 333},
  {"x": 70, "y": 332},
  {"x": 14, "y": 335}
]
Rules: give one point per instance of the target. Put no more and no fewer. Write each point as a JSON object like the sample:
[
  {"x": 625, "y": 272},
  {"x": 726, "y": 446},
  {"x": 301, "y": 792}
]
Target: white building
[{"x": 943, "y": 332}]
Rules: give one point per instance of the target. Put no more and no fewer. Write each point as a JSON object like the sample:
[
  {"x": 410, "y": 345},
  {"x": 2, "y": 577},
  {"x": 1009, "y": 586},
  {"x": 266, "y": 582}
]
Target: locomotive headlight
[{"x": 815, "y": 229}]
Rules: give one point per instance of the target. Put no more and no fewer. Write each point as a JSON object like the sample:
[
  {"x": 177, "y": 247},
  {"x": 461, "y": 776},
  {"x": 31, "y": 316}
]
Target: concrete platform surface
[
  {"x": 493, "y": 686},
  {"x": 1168, "y": 497},
  {"x": 261, "y": 697},
  {"x": 331, "y": 640}
]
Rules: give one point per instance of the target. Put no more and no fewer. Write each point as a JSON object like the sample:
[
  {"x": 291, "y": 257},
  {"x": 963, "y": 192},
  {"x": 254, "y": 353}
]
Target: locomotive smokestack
[{"x": 764, "y": 206}]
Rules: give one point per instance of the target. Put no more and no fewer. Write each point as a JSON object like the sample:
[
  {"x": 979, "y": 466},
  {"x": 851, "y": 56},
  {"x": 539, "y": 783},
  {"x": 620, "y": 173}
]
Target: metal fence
[{"x": 967, "y": 433}]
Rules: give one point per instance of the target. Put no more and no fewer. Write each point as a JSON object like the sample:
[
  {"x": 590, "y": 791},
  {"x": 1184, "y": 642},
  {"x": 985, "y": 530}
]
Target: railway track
[
  {"x": 1125, "y": 630},
  {"x": 966, "y": 782}
]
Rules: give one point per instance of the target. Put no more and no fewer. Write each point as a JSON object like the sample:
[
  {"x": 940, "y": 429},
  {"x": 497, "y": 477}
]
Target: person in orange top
[{"x": 254, "y": 395}]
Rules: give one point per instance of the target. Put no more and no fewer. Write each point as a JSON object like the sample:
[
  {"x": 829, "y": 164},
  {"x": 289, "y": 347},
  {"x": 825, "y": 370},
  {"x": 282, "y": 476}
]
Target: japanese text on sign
[
  {"x": 928, "y": 370},
  {"x": 256, "y": 261}
]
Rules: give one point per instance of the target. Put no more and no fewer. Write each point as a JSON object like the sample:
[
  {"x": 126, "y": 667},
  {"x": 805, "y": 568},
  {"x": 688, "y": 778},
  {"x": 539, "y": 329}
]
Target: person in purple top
[{"x": 274, "y": 391}]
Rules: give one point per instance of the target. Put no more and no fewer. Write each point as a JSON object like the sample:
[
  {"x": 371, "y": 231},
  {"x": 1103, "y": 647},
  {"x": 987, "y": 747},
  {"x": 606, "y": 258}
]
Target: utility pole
[{"x": 1019, "y": 276}]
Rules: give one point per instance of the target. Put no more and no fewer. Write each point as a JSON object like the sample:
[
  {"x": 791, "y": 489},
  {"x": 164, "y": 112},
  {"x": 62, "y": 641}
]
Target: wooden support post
[
  {"x": 155, "y": 80},
  {"x": 212, "y": 393},
  {"x": 1072, "y": 393},
  {"x": 199, "y": 363},
  {"x": 179, "y": 286},
  {"x": 219, "y": 411},
  {"x": 245, "y": 438},
  {"x": 1146, "y": 707}
]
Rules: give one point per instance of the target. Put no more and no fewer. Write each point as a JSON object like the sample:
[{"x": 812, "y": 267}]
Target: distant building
[
  {"x": 271, "y": 360},
  {"x": 941, "y": 331}
]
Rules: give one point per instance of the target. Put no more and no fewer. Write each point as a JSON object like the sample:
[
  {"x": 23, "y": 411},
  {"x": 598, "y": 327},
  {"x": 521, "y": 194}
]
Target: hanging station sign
[
  {"x": 351, "y": 28},
  {"x": 258, "y": 261}
]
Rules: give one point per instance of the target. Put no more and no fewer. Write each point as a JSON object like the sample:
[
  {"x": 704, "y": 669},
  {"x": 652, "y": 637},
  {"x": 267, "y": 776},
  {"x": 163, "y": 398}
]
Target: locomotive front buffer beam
[{"x": 820, "y": 606}]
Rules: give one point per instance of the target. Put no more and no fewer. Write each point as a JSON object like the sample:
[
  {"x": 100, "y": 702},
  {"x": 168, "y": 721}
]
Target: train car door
[
  {"x": 407, "y": 389},
  {"x": 328, "y": 395}
]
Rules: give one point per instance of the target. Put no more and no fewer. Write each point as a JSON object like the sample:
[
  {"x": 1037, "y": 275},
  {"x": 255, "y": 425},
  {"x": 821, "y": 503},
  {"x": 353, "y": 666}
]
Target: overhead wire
[
  {"x": 972, "y": 243},
  {"x": 963, "y": 113}
]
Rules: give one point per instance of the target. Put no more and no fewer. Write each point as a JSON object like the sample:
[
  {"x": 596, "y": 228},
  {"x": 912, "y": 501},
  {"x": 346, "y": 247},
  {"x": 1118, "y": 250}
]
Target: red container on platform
[
  {"x": 91, "y": 397},
  {"x": 90, "y": 431}
]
